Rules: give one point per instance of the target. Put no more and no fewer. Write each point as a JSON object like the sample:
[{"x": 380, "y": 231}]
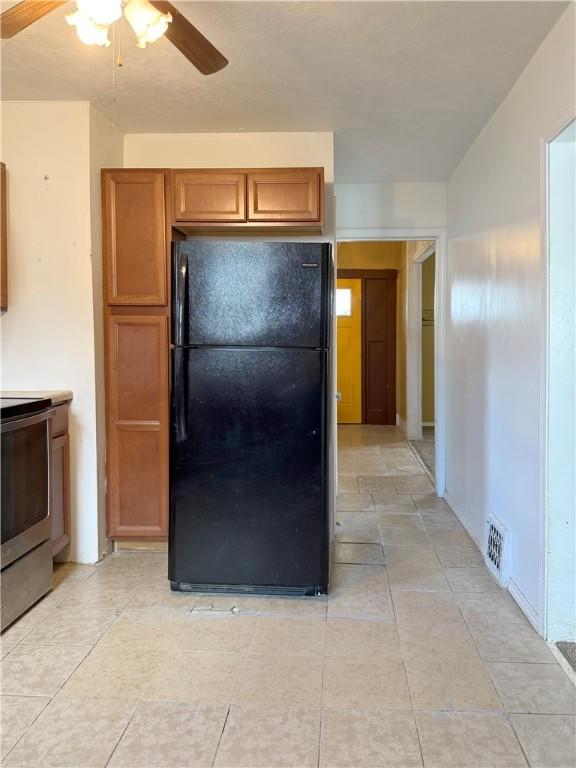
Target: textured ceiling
[{"x": 405, "y": 86}]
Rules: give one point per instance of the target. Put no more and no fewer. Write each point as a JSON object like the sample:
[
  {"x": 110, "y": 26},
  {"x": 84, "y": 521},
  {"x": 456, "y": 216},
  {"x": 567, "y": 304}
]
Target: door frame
[
  {"x": 557, "y": 126},
  {"x": 363, "y": 275},
  {"x": 438, "y": 236}
]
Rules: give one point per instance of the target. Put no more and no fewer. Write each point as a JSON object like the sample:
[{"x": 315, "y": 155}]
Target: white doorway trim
[
  {"x": 544, "y": 619},
  {"x": 413, "y": 331}
]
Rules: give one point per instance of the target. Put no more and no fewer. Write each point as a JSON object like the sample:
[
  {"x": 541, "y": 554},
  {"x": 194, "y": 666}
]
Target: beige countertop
[{"x": 58, "y": 396}]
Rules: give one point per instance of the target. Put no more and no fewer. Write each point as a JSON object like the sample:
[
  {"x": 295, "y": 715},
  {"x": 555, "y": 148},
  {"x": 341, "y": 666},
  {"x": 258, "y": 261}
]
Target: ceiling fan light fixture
[
  {"x": 148, "y": 22},
  {"x": 87, "y": 30},
  {"x": 102, "y": 12}
]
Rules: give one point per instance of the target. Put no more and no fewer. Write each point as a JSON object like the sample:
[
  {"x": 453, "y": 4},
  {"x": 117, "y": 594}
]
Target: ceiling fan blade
[
  {"x": 23, "y": 14},
  {"x": 190, "y": 42}
]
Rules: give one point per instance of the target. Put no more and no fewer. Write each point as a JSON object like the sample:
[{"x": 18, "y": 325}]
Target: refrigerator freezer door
[
  {"x": 251, "y": 294},
  {"x": 248, "y": 506}
]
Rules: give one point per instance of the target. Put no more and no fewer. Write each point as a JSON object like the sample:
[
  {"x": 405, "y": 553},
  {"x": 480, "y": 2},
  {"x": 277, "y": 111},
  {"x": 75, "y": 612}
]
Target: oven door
[{"x": 26, "y": 449}]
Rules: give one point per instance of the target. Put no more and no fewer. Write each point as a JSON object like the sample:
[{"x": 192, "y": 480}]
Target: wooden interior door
[
  {"x": 349, "y": 352},
  {"x": 379, "y": 350},
  {"x": 137, "y": 458}
]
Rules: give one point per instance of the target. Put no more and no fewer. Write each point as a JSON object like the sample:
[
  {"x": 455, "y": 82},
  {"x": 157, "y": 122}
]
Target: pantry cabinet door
[
  {"x": 135, "y": 244},
  {"x": 137, "y": 434}
]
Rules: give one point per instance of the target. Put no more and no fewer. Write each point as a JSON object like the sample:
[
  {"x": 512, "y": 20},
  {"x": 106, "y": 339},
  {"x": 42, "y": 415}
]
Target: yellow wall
[
  {"x": 428, "y": 268},
  {"x": 385, "y": 255}
]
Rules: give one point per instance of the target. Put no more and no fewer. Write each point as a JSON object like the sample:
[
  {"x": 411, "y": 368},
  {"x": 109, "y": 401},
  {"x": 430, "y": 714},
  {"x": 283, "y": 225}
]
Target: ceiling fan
[{"x": 150, "y": 19}]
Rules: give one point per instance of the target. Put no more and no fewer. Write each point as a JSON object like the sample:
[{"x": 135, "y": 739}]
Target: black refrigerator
[{"x": 249, "y": 442}]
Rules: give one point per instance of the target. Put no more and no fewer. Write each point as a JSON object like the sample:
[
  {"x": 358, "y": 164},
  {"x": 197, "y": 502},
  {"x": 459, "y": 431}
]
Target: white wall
[
  {"x": 48, "y": 330},
  {"x": 106, "y": 151},
  {"x": 390, "y": 206},
  {"x": 496, "y": 274}
]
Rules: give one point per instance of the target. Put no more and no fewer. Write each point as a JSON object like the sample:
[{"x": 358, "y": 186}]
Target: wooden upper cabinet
[
  {"x": 3, "y": 242},
  {"x": 135, "y": 243},
  {"x": 137, "y": 425},
  {"x": 286, "y": 195},
  {"x": 209, "y": 196}
]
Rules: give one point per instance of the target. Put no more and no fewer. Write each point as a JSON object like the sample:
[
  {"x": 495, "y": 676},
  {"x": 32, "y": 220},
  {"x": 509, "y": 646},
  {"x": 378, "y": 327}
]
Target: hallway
[{"x": 415, "y": 658}]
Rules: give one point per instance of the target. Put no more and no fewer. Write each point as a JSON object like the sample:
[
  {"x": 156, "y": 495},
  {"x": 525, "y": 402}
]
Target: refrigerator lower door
[{"x": 248, "y": 498}]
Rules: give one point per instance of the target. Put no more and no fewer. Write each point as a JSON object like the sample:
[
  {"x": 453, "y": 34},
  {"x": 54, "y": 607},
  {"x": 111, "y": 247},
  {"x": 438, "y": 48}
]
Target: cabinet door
[
  {"x": 209, "y": 196},
  {"x": 135, "y": 242},
  {"x": 291, "y": 194},
  {"x": 137, "y": 435},
  {"x": 60, "y": 493}
]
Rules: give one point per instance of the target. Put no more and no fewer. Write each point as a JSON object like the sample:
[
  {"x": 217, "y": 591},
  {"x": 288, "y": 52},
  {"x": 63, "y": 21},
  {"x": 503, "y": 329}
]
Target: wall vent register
[{"x": 497, "y": 552}]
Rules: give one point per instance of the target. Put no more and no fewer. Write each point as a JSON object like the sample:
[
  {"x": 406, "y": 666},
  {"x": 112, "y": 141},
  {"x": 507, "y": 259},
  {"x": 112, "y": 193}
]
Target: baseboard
[
  {"x": 140, "y": 545},
  {"x": 458, "y": 512},
  {"x": 428, "y": 423},
  {"x": 524, "y": 605},
  {"x": 515, "y": 592},
  {"x": 401, "y": 423}
]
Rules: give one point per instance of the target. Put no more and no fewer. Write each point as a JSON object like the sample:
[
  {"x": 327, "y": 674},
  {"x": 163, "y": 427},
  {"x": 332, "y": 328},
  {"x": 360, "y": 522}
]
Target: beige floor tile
[
  {"x": 410, "y": 484},
  {"x": 357, "y": 527},
  {"x": 451, "y": 538},
  {"x": 376, "y": 484},
  {"x": 395, "y": 505},
  {"x": 471, "y": 580},
  {"x": 70, "y": 732},
  {"x": 39, "y": 670},
  {"x": 124, "y": 672},
  {"x": 279, "y": 680},
  {"x": 17, "y": 713},
  {"x": 450, "y": 683},
  {"x": 289, "y": 636},
  {"x": 549, "y": 741},
  {"x": 414, "y": 557},
  {"x": 445, "y": 639},
  {"x": 177, "y": 631},
  {"x": 171, "y": 735},
  {"x": 71, "y": 626},
  {"x": 254, "y": 605},
  {"x": 5, "y": 649},
  {"x": 490, "y": 608},
  {"x": 354, "y": 638},
  {"x": 534, "y": 688},
  {"x": 94, "y": 594},
  {"x": 72, "y": 572},
  {"x": 262, "y": 737},
  {"x": 348, "y": 484},
  {"x": 512, "y": 642},
  {"x": 21, "y": 628},
  {"x": 404, "y": 537},
  {"x": 353, "y": 738},
  {"x": 442, "y": 520},
  {"x": 354, "y": 502},
  {"x": 459, "y": 557},
  {"x": 161, "y": 596},
  {"x": 365, "y": 683},
  {"x": 413, "y": 578},
  {"x": 468, "y": 741},
  {"x": 360, "y": 590},
  {"x": 358, "y": 554},
  {"x": 430, "y": 502},
  {"x": 399, "y": 520},
  {"x": 196, "y": 676},
  {"x": 425, "y": 608}
]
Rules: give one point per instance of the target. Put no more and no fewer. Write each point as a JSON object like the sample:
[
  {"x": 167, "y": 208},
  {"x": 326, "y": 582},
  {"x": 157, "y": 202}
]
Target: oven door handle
[{"x": 36, "y": 418}]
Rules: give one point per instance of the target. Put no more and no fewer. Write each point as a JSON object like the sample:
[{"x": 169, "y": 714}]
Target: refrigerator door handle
[
  {"x": 179, "y": 396},
  {"x": 179, "y": 301}
]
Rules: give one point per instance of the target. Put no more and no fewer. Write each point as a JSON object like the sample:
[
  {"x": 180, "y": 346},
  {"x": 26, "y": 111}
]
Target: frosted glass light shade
[{"x": 147, "y": 22}]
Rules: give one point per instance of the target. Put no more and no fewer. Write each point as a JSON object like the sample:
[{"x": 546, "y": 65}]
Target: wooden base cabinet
[
  {"x": 137, "y": 425},
  {"x": 60, "y": 480}
]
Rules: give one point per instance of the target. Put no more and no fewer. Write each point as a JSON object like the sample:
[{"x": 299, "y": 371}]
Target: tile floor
[
  {"x": 426, "y": 449},
  {"x": 416, "y": 658}
]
